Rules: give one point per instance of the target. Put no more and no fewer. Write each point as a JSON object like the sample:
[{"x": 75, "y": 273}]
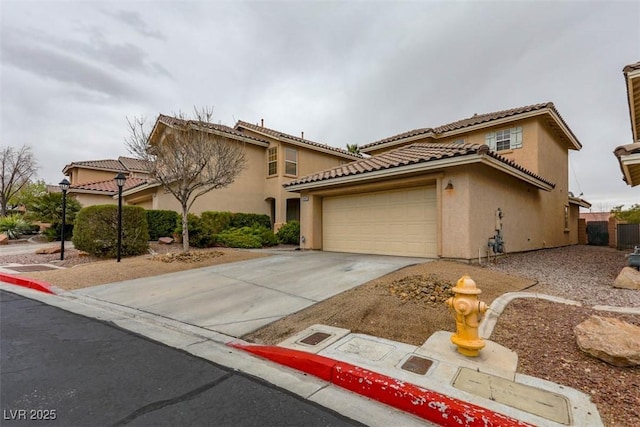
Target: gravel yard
[{"x": 581, "y": 273}]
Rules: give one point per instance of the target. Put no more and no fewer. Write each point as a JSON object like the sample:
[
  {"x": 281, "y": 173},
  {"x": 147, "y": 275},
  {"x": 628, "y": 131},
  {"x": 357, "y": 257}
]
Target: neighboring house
[
  {"x": 273, "y": 159},
  {"x": 629, "y": 155},
  {"x": 92, "y": 181},
  {"x": 445, "y": 191}
]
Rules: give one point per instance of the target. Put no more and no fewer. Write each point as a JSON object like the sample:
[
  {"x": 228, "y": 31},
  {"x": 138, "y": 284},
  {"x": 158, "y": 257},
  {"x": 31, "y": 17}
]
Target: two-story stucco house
[
  {"x": 629, "y": 155},
  {"x": 92, "y": 181},
  {"x": 446, "y": 191},
  {"x": 273, "y": 159}
]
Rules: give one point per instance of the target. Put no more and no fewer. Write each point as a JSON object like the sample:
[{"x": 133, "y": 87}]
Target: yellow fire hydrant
[{"x": 466, "y": 305}]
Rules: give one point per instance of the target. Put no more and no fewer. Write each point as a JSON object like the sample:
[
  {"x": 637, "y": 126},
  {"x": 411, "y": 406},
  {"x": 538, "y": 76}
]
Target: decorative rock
[
  {"x": 609, "y": 339},
  {"x": 4, "y": 239},
  {"x": 165, "y": 240},
  {"x": 83, "y": 254},
  {"x": 629, "y": 278},
  {"x": 48, "y": 251}
]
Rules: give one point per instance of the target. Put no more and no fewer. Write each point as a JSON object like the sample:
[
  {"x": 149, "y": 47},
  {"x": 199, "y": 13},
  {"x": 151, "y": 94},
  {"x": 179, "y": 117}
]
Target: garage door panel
[{"x": 398, "y": 222}]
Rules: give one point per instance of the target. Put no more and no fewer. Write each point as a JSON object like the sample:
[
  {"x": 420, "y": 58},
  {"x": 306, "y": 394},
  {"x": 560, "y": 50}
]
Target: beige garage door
[{"x": 398, "y": 222}]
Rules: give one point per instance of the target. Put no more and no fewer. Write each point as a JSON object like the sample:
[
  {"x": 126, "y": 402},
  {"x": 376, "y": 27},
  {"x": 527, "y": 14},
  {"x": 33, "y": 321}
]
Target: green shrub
[
  {"x": 235, "y": 238},
  {"x": 267, "y": 237},
  {"x": 53, "y": 233},
  {"x": 240, "y": 220},
  {"x": 216, "y": 221},
  {"x": 161, "y": 223},
  {"x": 289, "y": 233},
  {"x": 96, "y": 230},
  {"x": 200, "y": 235},
  {"x": 246, "y": 237},
  {"x": 14, "y": 225}
]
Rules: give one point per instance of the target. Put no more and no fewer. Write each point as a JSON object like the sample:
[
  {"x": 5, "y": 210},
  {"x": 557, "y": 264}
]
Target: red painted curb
[
  {"x": 27, "y": 283},
  {"x": 427, "y": 404}
]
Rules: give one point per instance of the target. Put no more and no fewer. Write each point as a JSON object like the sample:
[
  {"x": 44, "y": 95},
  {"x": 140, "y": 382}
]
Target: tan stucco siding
[
  {"x": 94, "y": 199},
  {"x": 246, "y": 194},
  {"x": 82, "y": 175},
  {"x": 532, "y": 218},
  {"x": 523, "y": 227}
]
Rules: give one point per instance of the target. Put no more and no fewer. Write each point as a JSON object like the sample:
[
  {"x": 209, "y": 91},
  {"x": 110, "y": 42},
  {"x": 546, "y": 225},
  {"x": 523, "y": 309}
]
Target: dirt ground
[
  {"x": 82, "y": 274},
  {"x": 406, "y": 305}
]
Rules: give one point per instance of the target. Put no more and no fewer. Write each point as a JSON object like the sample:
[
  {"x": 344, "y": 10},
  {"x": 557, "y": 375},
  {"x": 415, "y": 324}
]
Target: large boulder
[
  {"x": 629, "y": 278},
  {"x": 609, "y": 339},
  {"x": 4, "y": 239},
  {"x": 48, "y": 251}
]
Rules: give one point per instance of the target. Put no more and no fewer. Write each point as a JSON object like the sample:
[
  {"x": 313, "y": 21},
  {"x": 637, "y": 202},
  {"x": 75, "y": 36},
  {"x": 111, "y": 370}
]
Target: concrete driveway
[{"x": 238, "y": 298}]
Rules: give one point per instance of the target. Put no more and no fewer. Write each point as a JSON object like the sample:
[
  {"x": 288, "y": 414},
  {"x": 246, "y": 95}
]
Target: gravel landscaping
[{"x": 580, "y": 273}]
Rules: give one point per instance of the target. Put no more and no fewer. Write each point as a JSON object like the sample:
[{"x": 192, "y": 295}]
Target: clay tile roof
[
  {"x": 108, "y": 186},
  {"x": 483, "y": 118},
  {"x": 277, "y": 134},
  {"x": 408, "y": 155},
  {"x": 122, "y": 164},
  {"x": 106, "y": 164},
  {"x": 471, "y": 121},
  {"x": 631, "y": 67},
  {"x": 625, "y": 150},
  {"x": 177, "y": 122},
  {"x": 134, "y": 165}
]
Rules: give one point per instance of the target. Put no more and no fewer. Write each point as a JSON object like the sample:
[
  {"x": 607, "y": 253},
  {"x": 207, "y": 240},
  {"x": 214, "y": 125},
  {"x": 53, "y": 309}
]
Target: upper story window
[
  {"x": 272, "y": 161},
  {"x": 505, "y": 139},
  {"x": 291, "y": 161}
]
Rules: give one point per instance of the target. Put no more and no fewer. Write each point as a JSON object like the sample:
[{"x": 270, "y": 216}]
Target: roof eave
[
  {"x": 152, "y": 135},
  {"x": 574, "y": 144},
  {"x": 320, "y": 149},
  {"x": 580, "y": 202},
  {"x": 294, "y": 141},
  {"x": 633, "y": 108},
  {"x": 86, "y": 191},
  {"x": 510, "y": 170},
  {"x": 422, "y": 167},
  {"x": 139, "y": 188},
  {"x": 627, "y": 162}
]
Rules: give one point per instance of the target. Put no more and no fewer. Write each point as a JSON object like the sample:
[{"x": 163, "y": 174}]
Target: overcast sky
[{"x": 342, "y": 72}]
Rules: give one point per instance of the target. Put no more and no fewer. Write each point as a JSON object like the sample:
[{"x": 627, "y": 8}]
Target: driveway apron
[{"x": 238, "y": 298}]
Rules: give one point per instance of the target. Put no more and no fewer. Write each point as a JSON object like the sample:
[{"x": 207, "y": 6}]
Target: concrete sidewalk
[{"x": 238, "y": 298}]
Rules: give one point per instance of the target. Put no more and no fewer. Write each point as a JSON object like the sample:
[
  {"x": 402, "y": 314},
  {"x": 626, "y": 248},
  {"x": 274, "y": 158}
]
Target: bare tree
[
  {"x": 189, "y": 160},
  {"x": 18, "y": 167}
]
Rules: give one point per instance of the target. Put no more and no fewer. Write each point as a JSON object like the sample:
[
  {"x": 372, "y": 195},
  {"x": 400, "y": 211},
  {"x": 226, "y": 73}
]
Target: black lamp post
[
  {"x": 64, "y": 186},
  {"x": 120, "y": 179}
]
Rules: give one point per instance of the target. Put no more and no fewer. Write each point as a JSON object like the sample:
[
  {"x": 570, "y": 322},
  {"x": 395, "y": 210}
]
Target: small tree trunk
[{"x": 185, "y": 228}]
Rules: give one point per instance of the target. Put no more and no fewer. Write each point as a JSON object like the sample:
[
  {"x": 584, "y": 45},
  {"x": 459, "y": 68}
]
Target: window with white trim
[
  {"x": 272, "y": 161},
  {"x": 505, "y": 139},
  {"x": 291, "y": 161}
]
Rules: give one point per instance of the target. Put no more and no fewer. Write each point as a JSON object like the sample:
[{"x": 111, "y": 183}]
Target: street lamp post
[
  {"x": 120, "y": 179},
  {"x": 64, "y": 186}
]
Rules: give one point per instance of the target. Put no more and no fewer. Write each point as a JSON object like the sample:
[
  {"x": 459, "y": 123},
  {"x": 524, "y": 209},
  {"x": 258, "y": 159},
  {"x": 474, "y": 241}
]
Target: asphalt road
[{"x": 61, "y": 369}]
